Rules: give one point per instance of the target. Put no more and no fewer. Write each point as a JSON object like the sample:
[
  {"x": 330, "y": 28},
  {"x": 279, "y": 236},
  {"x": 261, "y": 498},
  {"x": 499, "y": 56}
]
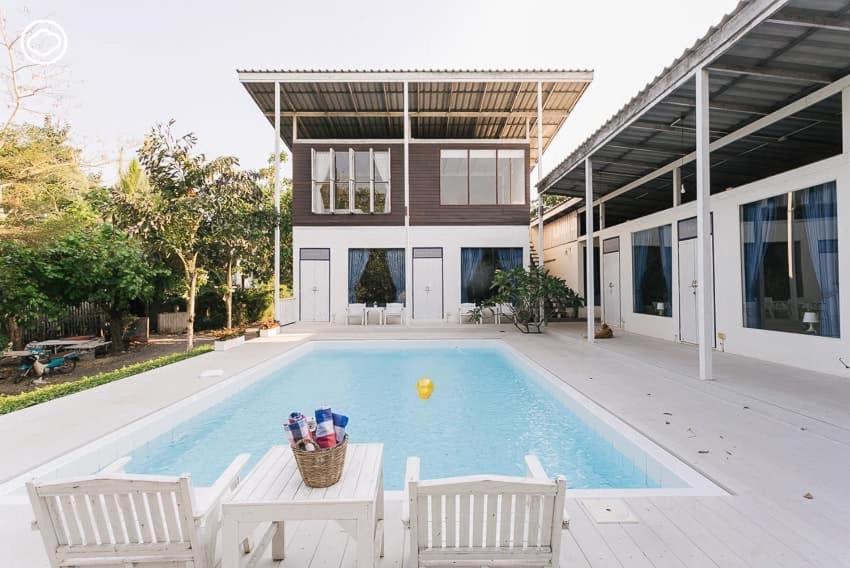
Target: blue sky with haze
[{"x": 131, "y": 64}]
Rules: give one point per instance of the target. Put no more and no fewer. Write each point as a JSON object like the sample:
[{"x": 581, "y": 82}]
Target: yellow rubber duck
[{"x": 425, "y": 388}]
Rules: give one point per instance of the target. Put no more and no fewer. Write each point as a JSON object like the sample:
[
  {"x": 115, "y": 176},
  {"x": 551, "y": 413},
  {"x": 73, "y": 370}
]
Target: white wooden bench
[
  {"x": 484, "y": 520},
  {"x": 114, "y": 519}
]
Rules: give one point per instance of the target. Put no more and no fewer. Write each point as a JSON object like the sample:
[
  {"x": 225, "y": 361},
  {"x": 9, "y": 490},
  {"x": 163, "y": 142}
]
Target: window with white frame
[
  {"x": 351, "y": 181},
  {"x": 482, "y": 177}
]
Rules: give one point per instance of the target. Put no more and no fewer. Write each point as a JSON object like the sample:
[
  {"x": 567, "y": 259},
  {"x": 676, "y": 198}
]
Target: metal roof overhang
[
  {"x": 443, "y": 104},
  {"x": 763, "y": 57}
]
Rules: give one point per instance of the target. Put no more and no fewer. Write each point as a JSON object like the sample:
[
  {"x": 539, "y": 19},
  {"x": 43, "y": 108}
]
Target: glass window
[
  {"x": 382, "y": 165},
  {"x": 790, "y": 257},
  {"x": 652, "y": 277},
  {"x": 382, "y": 197},
  {"x": 454, "y": 177},
  {"x": 321, "y": 183},
  {"x": 511, "y": 177},
  {"x": 376, "y": 276},
  {"x": 478, "y": 265},
  {"x": 344, "y": 179},
  {"x": 482, "y": 177}
]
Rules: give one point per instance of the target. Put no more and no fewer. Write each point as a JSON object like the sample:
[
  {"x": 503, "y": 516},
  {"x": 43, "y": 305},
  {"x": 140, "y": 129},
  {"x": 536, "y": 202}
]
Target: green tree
[
  {"x": 262, "y": 264},
  {"x": 42, "y": 186},
  {"x": 22, "y": 294},
  {"x": 238, "y": 232},
  {"x": 175, "y": 216},
  {"x": 527, "y": 291},
  {"x": 105, "y": 267}
]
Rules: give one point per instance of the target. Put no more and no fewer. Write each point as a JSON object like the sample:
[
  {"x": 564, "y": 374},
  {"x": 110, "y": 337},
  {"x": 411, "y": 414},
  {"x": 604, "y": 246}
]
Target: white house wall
[
  {"x": 801, "y": 350},
  {"x": 450, "y": 238}
]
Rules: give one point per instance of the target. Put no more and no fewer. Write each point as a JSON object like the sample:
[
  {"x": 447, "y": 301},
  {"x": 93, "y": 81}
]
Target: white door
[
  {"x": 611, "y": 288},
  {"x": 688, "y": 284},
  {"x": 315, "y": 290},
  {"x": 427, "y": 287}
]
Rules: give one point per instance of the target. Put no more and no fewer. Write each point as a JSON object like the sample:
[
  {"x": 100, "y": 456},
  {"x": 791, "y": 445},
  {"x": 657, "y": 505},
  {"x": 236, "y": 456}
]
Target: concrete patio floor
[{"x": 767, "y": 433}]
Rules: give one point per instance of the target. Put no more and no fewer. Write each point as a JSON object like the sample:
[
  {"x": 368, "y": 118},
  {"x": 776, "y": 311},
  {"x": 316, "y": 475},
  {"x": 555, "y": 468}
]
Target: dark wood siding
[
  {"x": 302, "y": 210},
  {"x": 425, "y": 208}
]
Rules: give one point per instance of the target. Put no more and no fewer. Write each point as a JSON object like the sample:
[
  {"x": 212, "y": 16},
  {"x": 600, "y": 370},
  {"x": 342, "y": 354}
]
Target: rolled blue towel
[{"x": 340, "y": 422}]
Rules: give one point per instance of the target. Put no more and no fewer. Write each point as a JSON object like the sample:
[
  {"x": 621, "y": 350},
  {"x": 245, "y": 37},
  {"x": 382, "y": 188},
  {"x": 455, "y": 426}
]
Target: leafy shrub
[{"x": 16, "y": 402}]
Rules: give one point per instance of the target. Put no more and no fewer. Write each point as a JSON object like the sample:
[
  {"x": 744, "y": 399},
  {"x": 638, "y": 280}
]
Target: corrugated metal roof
[
  {"x": 762, "y": 56},
  {"x": 444, "y": 103}
]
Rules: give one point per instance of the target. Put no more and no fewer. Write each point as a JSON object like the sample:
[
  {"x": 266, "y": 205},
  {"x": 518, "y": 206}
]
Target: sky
[{"x": 131, "y": 65}]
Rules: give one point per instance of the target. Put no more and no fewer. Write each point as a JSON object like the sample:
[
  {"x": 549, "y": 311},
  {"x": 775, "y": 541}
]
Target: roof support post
[
  {"x": 541, "y": 252},
  {"x": 277, "y": 314},
  {"x": 408, "y": 257},
  {"x": 845, "y": 120},
  {"x": 601, "y": 267},
  {"x": 295, "y": 128},
  {"x": 677, "y": 187},
  {"x": 705, "y": 295},
  {"x": 590, "y": 302}
]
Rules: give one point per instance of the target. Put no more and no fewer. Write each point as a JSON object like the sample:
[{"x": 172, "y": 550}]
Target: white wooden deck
[{"x": 772, "y": 434}]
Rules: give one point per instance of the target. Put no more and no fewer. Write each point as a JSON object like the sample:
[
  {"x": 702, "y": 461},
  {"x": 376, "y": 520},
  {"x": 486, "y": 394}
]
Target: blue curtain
[
  {"x": 820, "y": 222},
  {"x": 509, "y": 258},
  {"x": 470, "y": 260},
  {"x": 357, "y": 259},
  {"x": 641, "y": 243},
  {"x": 395, "y": 261},
  {"x": 760, "y": 215},
  {"x": 665, "y": 237}
]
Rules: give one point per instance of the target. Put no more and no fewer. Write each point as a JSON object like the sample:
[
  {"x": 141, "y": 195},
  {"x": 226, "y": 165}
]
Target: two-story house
[{"x": 410, "y": 186}]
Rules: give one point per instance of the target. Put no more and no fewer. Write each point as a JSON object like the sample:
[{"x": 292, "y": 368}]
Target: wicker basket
[{"x": 322, "y": 467}]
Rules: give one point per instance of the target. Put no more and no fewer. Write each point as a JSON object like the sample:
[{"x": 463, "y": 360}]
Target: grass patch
[{"x": 18, "y": 401}]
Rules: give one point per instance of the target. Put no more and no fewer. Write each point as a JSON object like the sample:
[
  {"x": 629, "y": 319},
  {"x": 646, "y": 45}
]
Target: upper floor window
[
  {"x": 351, "y": 181},
  {"x": 482, "y": 177}
]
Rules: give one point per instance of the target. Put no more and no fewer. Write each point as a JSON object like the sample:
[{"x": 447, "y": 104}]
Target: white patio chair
[
  {"x": 522, "y": 526},
  {"x": 118, "y": 519},
  {"x": 356, "y": 311},
  {"x": 394, "y": 310},
  {"x": 466, "y": 309},
  {"x": 500, "y": 310}
]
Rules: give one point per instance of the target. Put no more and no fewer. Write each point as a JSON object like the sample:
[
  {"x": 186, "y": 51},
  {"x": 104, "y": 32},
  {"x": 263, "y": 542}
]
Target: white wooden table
[
  {"x": 273, "y": 492},
  {"x": 374, "y": 310}
]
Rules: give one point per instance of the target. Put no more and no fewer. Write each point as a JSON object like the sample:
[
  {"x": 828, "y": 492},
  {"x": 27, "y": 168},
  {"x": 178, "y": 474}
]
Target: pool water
[{"x": 487, "y": 411}]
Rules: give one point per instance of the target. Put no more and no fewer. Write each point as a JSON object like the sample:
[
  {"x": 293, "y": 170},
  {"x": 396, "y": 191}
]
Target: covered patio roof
[
  {"x": 443, "y": 104},
  {"x": 776, "y": 72}
]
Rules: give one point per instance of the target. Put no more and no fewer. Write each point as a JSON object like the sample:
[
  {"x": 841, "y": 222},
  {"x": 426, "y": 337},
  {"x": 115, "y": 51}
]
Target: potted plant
[
  {"x": 228, "y": 338},
  {"x": 269, "y": 328},
  {"x": 528, "y": 291}
]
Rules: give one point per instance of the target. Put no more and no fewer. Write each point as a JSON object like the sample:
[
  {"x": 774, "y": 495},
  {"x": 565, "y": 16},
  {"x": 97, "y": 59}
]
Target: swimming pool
[
  {"x": 486, "y": 413},
  {"x": 491, "y": 406}
]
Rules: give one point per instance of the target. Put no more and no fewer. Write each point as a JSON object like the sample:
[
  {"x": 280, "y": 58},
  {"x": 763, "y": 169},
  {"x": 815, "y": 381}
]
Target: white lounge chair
[
  {"x": 114, "y": 519},
  {"x": 394, "y": 310},
  {"x": 466, "y": 309},
  {"x": 484, "y": 520},
  {"x": 355, "y": 311}
]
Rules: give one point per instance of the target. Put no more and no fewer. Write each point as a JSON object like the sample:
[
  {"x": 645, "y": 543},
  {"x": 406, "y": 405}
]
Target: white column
[
  {"x": 845, "y": 120},
  {"x": 602, "y": 296},
  {"x": 541, "y": 246},
  {"x": 540, "y": 243},
  {"x": 277, "y": 313},
  {"x": 408, "y": 253},
  {"x": 588, "y": 249},
  {"x": 677, "y": 187},
  {"x": 705, "y": 311}
]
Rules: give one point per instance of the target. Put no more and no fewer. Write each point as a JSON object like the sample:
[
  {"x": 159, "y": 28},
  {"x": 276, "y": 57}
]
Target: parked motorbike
[{"x": 40, "y": 363}]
